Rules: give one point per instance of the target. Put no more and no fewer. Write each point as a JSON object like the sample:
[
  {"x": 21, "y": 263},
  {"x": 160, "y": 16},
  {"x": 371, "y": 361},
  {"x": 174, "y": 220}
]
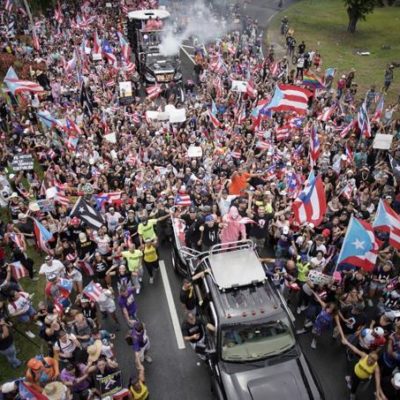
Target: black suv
[{"x": 253, "y": 354}]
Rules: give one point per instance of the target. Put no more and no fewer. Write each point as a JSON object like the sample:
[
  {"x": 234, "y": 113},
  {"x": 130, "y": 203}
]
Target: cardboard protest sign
[
  {"x": 177, "y": 115},
  {"x": 46, "y": 205},
  {"x": 195, "y": 151},
  {"x": 382, "y": 141},
  {"x": 239, "y": 86}
]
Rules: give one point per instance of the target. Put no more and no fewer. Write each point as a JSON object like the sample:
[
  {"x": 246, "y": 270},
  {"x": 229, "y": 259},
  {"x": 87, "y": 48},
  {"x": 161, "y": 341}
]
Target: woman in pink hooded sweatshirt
[{"x": 233, "y": 229}]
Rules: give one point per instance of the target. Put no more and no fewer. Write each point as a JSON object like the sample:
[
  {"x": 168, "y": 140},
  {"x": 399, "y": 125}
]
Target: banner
[
  {"x": 382, "y": 141},
  {"x": 109, "y": 384},
  {"x": 239, "y": 86}
]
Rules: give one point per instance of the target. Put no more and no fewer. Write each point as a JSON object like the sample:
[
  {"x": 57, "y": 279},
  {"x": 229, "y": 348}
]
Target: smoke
[{"x": 200, "y": 23}]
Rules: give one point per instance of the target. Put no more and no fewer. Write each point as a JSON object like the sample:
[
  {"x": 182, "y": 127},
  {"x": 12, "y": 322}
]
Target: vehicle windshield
[{"x": 256, "y": 341}]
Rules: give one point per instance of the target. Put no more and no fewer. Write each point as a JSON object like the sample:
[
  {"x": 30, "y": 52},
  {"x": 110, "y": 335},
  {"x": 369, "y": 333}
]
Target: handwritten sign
[{"x": 22, "y": 162}]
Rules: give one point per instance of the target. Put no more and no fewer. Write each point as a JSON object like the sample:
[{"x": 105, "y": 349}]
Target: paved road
[{"x": 177, "y": 373}]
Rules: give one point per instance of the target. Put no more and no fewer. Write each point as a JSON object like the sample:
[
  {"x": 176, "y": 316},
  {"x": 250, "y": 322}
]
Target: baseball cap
[
  {"x": 379, "y": 331},
  {"x": 209, "y": 218}
]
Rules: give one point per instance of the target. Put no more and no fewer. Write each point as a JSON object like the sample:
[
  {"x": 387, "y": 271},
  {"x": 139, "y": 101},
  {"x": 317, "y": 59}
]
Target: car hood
[
  {"x": 164, "y": 66},
  {"x": 286, "y": 380}
]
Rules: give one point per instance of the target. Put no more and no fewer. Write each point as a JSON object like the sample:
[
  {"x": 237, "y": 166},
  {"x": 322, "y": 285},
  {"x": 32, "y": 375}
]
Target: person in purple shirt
[
  {"x": 140, "y": 342},
  {"x": 126, "y": 301}
]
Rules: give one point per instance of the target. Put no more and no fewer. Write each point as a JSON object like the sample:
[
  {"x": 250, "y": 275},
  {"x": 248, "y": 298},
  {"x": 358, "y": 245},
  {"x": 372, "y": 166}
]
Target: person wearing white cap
[
  {"x": 51, "y": 267},
  {"x": 391, "y": 386}
]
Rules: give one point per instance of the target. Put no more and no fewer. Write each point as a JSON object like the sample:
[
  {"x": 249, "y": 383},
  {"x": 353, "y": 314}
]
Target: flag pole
[{"x": 344, "y": 241}]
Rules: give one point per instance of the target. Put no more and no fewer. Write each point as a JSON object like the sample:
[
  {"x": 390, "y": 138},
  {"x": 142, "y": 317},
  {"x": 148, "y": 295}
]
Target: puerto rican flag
[
  {"x": 85, "y": 267},
  {"x": 153, "y": 92},
  {"x": 58, "y": 16},
  {"x": 363, "y": 121},
  {"x": 213, "y": 115},
  {"x": 263, "y": 145},
  {"x": 72, "y": 143},
  {"x": 18, "y": 271},
  {"x": 349, "y": 154},
  {"x": 19, "y": 240},
  {"x": 290, "y": 98},
  {"x": 387, "y": 220},
  {"x": 327, "y": 114},
  {"x": 93, "y": 291},
  {"x": 71, "y": 127},
  {"x": 17, "y": 86},
  {"x": 27, "y": 392},
  {"x": 274, "y": 68},
  {"x": 125, "y": 49},
  {"x": 9, "y": 5},
  {"x": 283, "y": 132},
  {"x": 42, "y": 236},
  {"x": 108, "y": 52},
  {"x": 96, "y": 43},
  {"x": 183, "y": 200},
  {"x": 379, "y": 109},
  {"x": 251, "y": 90},
  {"x": 310, "y": 206},
  {"x": 347, "y": 129},
  {"x": 360, "y": 246},
  {"x": 217, "y": 65},
  {"x": 315, "y": 146}
]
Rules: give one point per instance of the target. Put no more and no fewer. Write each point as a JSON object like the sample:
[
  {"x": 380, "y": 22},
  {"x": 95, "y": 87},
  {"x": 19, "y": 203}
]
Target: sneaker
[
  {"x": 138, "y": 291},
  {"x": 148, "y": 359},
  {"x": 301, "y": 331},
  {"x": 30, "y": 334},
  {"x": 39, "y": 323},
  {"x": 298, "y": 310},
  {"x": 151, "y": 280},
  {"x": 308, "y": 324},
  {"x": 303, "y": 308},
  {"x": 314, "y": 344},
  {"x": 140, "y": 279},
  {"x": 347, "y": 378}
]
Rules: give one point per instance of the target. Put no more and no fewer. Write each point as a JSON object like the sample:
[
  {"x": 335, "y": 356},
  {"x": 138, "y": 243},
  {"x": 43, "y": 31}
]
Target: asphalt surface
[{"x": 178, "y": 373}]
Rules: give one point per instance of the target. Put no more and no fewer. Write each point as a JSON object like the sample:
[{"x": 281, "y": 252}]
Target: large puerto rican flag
[
  {"x": 290, "y": 98},
  {"x": 387, "y": 220},
  {"x": 360, "y": 247},
  {"x": 363, "y": 121},
  {"x": 17, "y": 86},
  {"x": 310, "y": 206}
]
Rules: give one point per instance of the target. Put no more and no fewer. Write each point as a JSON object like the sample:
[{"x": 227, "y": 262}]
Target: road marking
[
  {"x": 187, "y": 54},
  {"x": 171, "y": 306}
]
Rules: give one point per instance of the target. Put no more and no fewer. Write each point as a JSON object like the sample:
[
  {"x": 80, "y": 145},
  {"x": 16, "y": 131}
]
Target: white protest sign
[
  {"x": 97, "y": 56},
  {"x": 152, "y": 114},
  {"x": 163, "y": 116},
  {"x": 51, "y": 192},
  {"x": 382, "y": 141},
  {"x": 125, "y": 89},
  {"x": 111, "y": 137},
  {"x": 195, "y": 151},
  {"x": 239, "y": 86},
  {"x": 88, "y": 50},
  {"x": 177, "y": 115}
]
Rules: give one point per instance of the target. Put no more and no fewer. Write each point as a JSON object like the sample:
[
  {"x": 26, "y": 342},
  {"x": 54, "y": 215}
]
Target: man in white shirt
[
  {"x": 51, "y": 267},
  {"x": 224, "y": 201}
]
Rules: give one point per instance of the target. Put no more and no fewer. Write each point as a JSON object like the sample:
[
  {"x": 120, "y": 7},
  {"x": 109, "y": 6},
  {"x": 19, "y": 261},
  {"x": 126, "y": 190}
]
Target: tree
[{"x": 356, "y": 10}]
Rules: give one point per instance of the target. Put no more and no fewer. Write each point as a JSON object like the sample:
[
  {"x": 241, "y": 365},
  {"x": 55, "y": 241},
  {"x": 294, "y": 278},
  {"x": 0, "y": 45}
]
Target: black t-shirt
[
  {"x": 187, "y": 298},
  {"x": 189, "y": 330},
  {"x": 260, "y": 229},
  {"x": 85, "y": 248},
  {"x": 100, "y": 268},
  {"x": 210, "y": 235}
]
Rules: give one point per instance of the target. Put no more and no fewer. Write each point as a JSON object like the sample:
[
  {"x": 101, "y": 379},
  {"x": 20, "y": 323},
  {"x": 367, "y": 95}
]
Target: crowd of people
[{"x": 97, "y": 210}]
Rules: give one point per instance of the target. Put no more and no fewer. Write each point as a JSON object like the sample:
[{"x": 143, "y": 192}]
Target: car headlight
[
  {"x": 177, "y": 76},
  {"x": 149, "y": 77}
]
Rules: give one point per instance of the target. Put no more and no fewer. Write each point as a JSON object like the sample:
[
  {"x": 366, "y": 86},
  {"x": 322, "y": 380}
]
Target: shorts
[
  {"x": 27, "y": 316},
  {"x": 143, "y": 350},
  {"x": 110, "y": 308},
  {"x": 377, "y": 285}
]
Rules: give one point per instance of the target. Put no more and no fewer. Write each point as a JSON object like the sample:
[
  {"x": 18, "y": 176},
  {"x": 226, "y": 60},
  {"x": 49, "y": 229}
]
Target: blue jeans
[{"x": 11, "y": 355}]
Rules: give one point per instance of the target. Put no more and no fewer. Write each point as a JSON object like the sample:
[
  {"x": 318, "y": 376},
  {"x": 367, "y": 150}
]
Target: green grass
[{"x": 322, "y": 25}]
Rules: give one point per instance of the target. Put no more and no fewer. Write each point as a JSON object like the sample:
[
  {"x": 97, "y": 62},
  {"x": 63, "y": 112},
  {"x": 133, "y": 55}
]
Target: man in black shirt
[{"x": 209, "y": 233}]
